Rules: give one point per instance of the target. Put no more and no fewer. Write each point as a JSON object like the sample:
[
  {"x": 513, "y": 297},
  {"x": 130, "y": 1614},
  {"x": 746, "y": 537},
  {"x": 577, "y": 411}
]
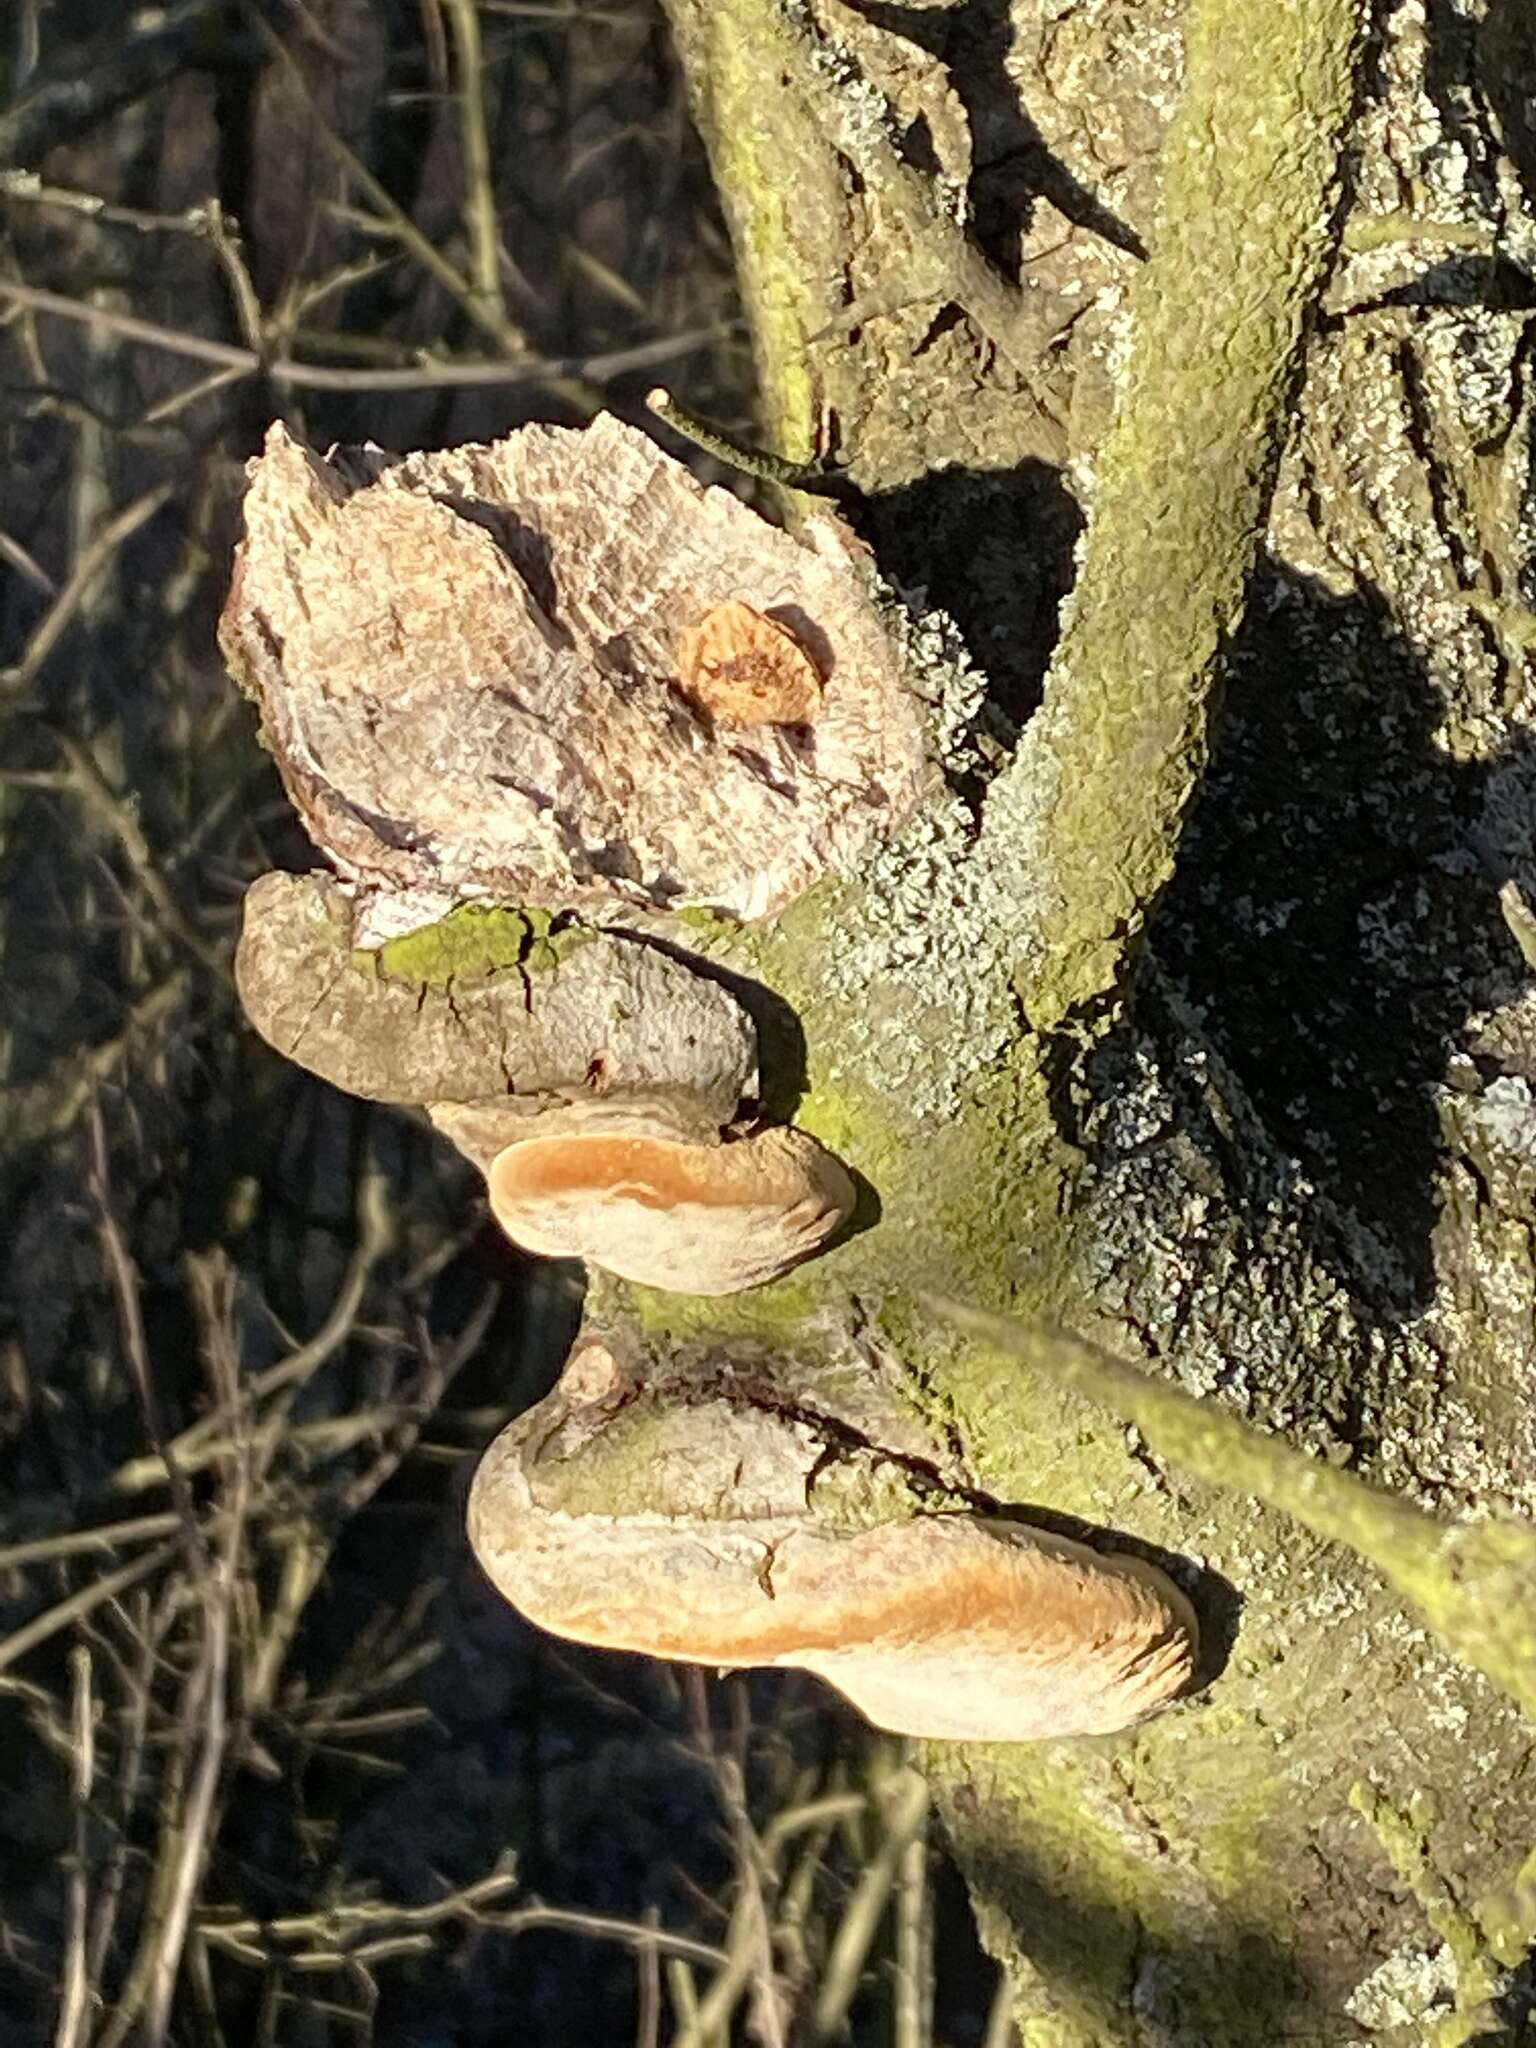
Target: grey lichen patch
[
  {"x": 863, "y": 122},
  {"x": 1412, "y": 1988},
  {"x": 1432, "y": 197},
  {"x": 920, "y": 971},
  {"x": 1506, "y": 1111}
]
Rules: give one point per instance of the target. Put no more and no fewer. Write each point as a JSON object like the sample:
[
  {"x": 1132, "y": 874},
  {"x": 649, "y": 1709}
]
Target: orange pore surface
[{"x": 658, "y": 1173}]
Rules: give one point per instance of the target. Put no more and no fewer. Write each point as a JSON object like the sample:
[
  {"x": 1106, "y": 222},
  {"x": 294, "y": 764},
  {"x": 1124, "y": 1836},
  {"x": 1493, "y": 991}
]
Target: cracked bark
[{"x": 1294, "y": 1171}]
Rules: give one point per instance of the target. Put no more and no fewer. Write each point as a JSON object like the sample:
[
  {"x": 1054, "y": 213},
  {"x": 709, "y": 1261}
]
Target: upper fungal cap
[
  {"x": 467, "y": 666},
  {"x": 697, "y": 1218},
  {"x": 605, "y": 1024}
]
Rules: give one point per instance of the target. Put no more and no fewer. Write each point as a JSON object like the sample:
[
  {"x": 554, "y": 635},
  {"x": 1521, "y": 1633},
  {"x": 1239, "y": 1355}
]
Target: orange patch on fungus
[
  {"x": 701, "y": 1219},
  {"x": 745, "y": 669}
]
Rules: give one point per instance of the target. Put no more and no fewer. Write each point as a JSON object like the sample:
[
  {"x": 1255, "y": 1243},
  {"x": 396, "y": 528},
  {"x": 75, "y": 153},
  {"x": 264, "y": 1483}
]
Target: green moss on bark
[
  {"x": 471, "y": 944},
  {"x": 1092, "y": 809}
]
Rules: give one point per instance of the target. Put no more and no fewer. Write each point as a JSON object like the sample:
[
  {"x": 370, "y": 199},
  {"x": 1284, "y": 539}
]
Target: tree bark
[{"x": 1292, "y": 1174}]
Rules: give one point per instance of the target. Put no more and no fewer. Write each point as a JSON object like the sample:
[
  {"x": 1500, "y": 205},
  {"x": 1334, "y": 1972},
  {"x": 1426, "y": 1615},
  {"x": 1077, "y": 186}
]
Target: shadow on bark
[
  {"x": 1336, "y": 901},
  {"x": 994, "y": 550},
  {"x": 1236, "y": 1987},
  {"x": 1014, "y": 165}
]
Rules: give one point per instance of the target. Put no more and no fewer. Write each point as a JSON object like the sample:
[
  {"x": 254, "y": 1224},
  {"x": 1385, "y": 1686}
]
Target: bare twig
[
  {"x": 208, "y": 1711},
  {"x": 376, "y": 1231},
  {"x": 89, "y": 564},
  {"x": 52, "y": 1104},
  {"x": 487, "y": 313},
  {"x": 912, "y": 1990},
  {"x": 518, "y": 368},
  {"x": 75, "y": 1999},
  {"x": 26, "y": 565},
  {"x": 648, "y": 2001},
  {"x": 131, "y": 1753},
  {"x": 130, "y": 1315},
  {"x": 87, "y": 780},
  {"x": 480, "y": 222},
  {"x": 75, "y": 1542},
  {"x": 206, "y": 1730},
  {"x": 65, "y": 1612},
  {"x": 906, "y": 1814}
]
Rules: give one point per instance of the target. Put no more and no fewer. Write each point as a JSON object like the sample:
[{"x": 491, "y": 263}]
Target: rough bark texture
[{"x": 1294, "y": 1179}]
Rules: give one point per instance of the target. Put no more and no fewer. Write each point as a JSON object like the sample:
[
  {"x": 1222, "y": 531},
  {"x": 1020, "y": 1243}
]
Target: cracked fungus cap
[
  {"x": 960, "y": 1627},
  {"x": 699, "y": 1219},
  {"x": 556, "y": 669}
]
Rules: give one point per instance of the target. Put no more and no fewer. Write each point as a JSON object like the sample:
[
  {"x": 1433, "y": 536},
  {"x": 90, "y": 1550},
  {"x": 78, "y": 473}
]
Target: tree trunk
[{"x": 1282, "y": 1151}]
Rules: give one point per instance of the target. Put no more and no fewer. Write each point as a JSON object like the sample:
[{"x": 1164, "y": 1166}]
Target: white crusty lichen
[
  {"x": 1413, "y": 1985},
  {"x": 926, "y": 941},
  {"x": 1506, "y": 1114}
]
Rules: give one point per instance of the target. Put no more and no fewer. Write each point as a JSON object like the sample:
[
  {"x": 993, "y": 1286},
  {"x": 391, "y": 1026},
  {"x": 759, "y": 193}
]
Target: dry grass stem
[
  {"x": 905, "y": 1802},
  {"x": 91, "y": 561},
  {"x": 481, "y": 226},
  {"x": 74, "y": 2003}
]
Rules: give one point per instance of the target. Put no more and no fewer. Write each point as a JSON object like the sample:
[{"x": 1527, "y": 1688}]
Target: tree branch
[{"x": 1088, "y": 816}]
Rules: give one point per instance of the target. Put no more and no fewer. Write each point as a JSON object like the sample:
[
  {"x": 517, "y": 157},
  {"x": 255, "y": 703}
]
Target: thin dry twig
[
  {"x": 64, "y": 1613},
  {"x": 208, "y": 1710},
  {"x": 74, "y": 2003},
  {"x": 130, "y": 1773},
  {"x": 480, "y": 223},
  {"x": 75, "y": 1542},
  {"x": 912, "y": 1984},
  {"x": 376, "y": 1234},
  {"x": 89, "y": 564},
  {"x": 906, "y": 1814},
  {"x": 130, "y": 1315},
  {"x": 518, "y": 367},
  {"x": 93, "y": 788},
  {"x": 52, "y": 1104}
]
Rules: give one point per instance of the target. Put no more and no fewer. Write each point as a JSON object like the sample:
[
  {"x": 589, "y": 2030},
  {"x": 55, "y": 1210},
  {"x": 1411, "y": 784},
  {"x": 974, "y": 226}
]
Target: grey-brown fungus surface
[{"x": 468, "y": 666}]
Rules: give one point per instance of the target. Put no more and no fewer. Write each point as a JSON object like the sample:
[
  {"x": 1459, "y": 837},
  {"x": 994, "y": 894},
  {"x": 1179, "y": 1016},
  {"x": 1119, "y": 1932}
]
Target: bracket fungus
[
  {"x": 677, "y": 1512},
  {"x": 468, "y": 665},
  {"x": 657, "y": 1209},
  {"x": 556, "y": 670},
  {"x": 605, "y": 1023}
]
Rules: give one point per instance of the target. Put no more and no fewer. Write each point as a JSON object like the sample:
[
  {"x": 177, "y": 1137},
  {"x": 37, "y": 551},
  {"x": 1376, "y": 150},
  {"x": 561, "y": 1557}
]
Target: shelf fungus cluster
[
  {"x": 594, "y": 1079},
  {"x": 556, "y": 671},
  {"x": 686, "y": 1509},
  {"x": 530, "y": 701}
]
